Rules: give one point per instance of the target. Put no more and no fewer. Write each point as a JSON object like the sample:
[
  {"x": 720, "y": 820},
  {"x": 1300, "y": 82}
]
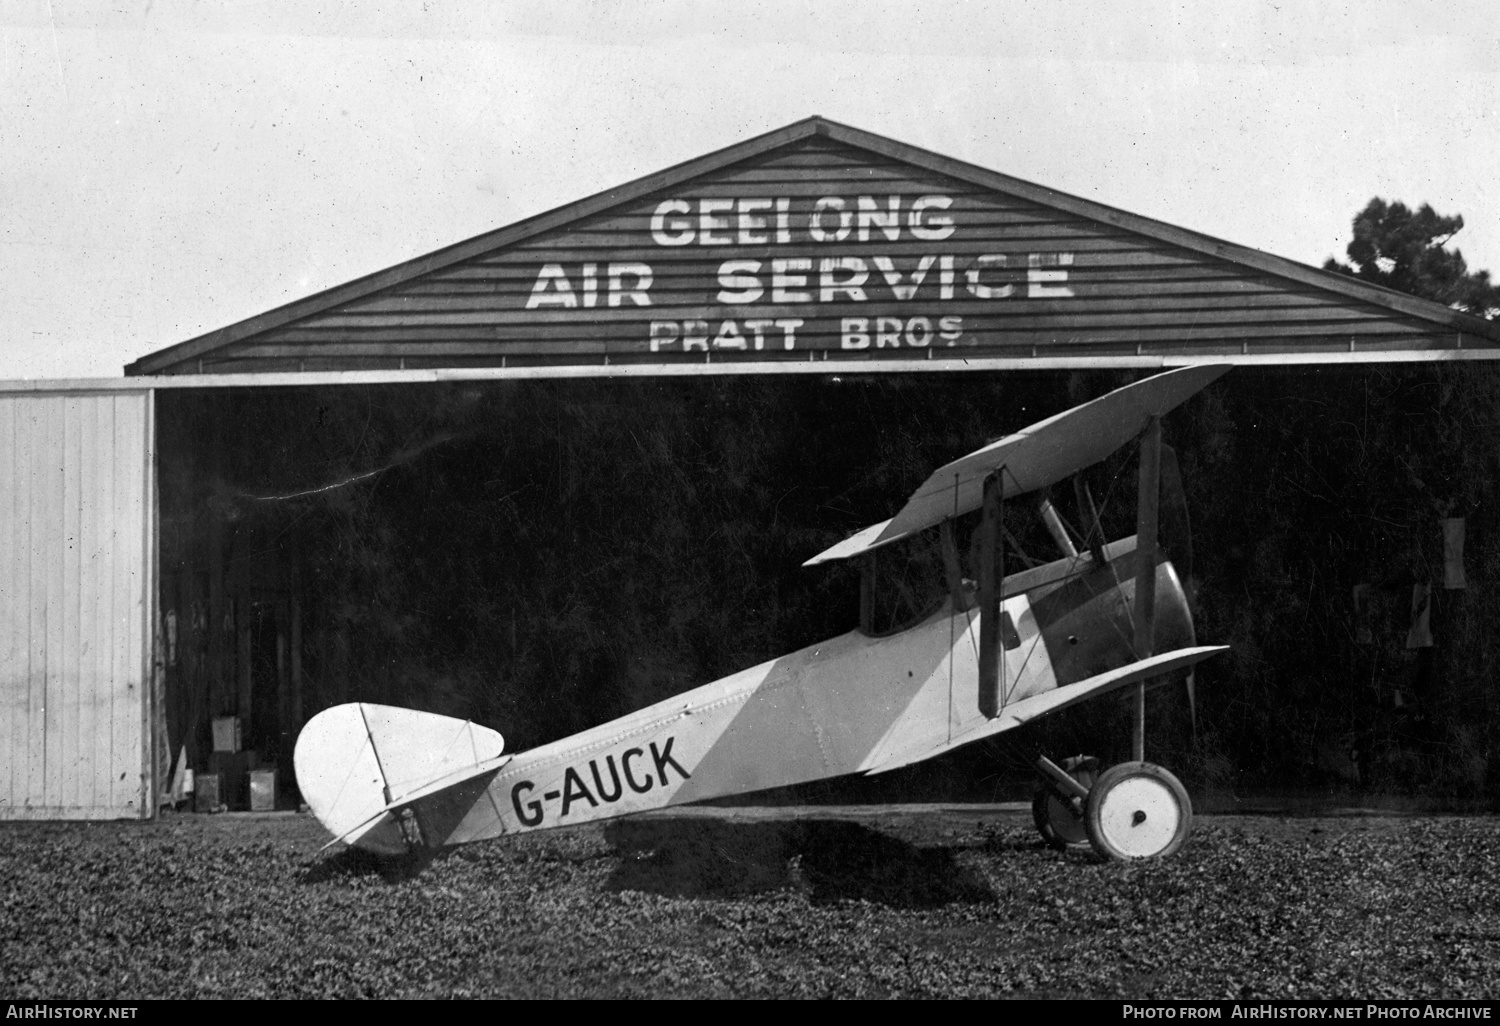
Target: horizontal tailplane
[{"x": 361, "y": 767}]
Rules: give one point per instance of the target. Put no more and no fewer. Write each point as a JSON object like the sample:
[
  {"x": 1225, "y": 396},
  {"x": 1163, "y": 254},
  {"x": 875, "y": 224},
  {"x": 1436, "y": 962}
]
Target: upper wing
[{"x": 1033, "y": 458}]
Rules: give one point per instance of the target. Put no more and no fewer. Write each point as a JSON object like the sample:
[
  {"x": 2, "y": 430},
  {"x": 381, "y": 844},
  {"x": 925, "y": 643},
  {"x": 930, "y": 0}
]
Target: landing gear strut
[{"x": 1058, "y": 812}]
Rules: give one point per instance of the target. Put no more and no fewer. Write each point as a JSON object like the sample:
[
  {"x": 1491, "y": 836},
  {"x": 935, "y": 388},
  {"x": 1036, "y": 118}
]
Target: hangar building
[{"x": 166, "y": 534}]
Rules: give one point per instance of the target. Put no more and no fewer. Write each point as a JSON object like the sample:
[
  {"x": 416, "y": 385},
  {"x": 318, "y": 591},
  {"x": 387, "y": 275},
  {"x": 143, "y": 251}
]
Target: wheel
[
  {"x": 1055, "y": 820},
  {"x": 1054, "y": 816},
  {"x": 1137, "y": 810}
]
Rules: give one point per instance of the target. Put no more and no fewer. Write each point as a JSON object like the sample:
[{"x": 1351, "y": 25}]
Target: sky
[{"x": 169, "y": 167}]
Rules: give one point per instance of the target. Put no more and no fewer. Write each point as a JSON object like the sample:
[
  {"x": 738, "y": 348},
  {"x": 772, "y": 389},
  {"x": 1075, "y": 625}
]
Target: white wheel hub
[
  {"x": 1140, "y": 816},
  {"x": 1137, "y": 810}
]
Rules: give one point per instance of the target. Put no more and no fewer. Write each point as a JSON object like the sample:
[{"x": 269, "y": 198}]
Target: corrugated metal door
[{"x": 77, "y": 597}]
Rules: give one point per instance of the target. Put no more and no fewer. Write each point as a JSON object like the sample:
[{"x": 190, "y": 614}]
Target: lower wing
[{"x": 1028, "y": 709}]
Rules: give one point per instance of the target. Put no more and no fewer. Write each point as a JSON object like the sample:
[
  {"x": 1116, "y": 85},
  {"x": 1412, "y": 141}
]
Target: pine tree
[{"x": 1408, "y": 251}]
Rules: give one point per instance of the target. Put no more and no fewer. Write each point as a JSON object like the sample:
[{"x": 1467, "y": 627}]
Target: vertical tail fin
[{"x": 357, "y": 764}]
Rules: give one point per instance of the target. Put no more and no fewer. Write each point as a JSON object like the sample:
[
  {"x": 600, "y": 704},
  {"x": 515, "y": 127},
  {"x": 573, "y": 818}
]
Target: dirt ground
[{"x": 843, "y": 901}]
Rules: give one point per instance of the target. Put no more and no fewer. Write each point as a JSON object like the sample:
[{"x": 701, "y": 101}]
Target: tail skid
[{"x": 386, "y": 779}]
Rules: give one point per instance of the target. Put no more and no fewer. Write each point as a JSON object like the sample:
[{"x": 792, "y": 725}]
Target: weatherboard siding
[
  {"x": 75, "y": 605},
  {"x": 1001, "y": 275}
]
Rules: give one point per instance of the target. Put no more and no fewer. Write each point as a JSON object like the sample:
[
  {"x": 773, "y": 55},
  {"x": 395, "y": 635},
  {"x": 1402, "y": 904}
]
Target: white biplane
[{"x": 997, "y": 654}]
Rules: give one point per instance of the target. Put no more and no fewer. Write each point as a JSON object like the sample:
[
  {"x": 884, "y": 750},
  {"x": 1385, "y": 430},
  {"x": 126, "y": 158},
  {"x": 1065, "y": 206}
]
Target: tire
[
  {"x": 1053, "y": 815},
  {"x": 1137, "y": 810},
  {"x": 1055, "y": 821}
]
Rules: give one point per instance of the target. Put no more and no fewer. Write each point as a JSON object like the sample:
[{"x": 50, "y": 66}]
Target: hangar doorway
[{"x": 543, "y": 555}]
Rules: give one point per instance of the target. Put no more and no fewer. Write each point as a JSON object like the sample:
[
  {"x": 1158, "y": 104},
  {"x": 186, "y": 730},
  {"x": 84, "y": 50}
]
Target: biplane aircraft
[{"x": 998, "y": 653}]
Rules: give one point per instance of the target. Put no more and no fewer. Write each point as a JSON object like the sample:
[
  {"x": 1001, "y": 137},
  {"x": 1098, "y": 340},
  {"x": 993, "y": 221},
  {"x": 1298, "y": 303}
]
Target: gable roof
[{"x": 946, "y": 256}]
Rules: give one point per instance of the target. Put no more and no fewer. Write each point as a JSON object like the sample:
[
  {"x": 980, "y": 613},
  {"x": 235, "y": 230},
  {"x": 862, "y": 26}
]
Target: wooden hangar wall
[
  {"x": 821, "y": 242},
  {"x": 77, "y": 544},
  {"x": 543, "y": 554}
]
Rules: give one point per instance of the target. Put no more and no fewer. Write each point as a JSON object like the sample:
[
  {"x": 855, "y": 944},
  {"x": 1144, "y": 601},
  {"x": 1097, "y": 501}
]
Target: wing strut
[
  {"x": 1087, "y": 512},
  {"x": 991, "y": 576},
  {"x": 1145, "y": 568},
  {"x": 1059, "y": 533}
]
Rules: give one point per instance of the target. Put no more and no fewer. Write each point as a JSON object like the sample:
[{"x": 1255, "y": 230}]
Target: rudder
[{"x": 356, "y": 763}]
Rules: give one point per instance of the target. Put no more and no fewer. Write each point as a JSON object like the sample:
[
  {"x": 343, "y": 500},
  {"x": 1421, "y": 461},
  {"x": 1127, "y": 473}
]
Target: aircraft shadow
[
  {"x": 356, "y": 862},
  {"x": 829, "y": 860}
]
